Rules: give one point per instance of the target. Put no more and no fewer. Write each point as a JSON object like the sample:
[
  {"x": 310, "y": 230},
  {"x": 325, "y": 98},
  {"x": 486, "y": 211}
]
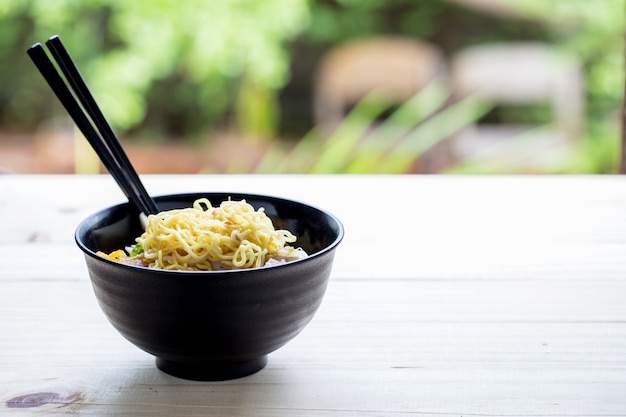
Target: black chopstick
[
  {"x": 85, "y": 97},
  {"x": 103, "y": 143},
  {"x": 58, "y": 86}
]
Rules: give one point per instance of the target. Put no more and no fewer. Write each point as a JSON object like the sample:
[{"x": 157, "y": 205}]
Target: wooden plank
[
  {"x": 450, "y": 296},
  {"x": 493, "y": 228},
  {"x": 375, "y": 348}
]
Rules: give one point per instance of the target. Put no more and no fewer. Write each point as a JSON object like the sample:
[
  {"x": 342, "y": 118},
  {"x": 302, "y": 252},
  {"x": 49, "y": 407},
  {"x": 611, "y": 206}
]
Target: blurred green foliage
[
  {"x": 595, "y": 32},
  {"x": 165, "y": 68},
  {"x": 591, "y": 30},
  {"x": 173, "y": 66},
  {"x": 363, "y": 144}
]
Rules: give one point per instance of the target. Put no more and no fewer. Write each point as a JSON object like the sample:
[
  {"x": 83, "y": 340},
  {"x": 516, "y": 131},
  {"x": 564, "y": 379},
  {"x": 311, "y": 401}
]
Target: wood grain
[{"x": 479, "y": 296}]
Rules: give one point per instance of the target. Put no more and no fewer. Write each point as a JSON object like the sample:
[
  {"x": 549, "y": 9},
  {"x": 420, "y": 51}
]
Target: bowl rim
[{"x": 308, "y": 258}]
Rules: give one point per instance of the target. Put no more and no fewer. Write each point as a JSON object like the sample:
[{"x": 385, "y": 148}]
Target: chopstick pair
[{"x": 103, "y": 140}]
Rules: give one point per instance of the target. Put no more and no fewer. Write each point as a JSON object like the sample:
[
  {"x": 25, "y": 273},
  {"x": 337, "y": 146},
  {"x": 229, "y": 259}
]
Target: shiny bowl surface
[{"x": 212, "y": 325}]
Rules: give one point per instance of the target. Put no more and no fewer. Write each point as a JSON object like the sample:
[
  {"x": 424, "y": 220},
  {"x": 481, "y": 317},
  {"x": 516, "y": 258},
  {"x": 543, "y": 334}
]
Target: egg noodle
[{"x": 202, "y": 237}]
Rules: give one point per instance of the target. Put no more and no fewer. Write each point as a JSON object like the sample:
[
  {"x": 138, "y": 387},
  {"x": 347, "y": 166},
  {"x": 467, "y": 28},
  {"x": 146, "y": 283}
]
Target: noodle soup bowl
[{"x": 211, "y": 325}]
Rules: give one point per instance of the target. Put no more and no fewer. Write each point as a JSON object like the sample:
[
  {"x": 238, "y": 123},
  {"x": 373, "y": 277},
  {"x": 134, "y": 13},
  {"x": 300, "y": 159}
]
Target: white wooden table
[{"x": 450, "y": 296}]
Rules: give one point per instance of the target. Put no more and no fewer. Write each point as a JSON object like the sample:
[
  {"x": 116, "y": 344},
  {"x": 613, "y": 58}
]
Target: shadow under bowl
[{"x": 212, "y": 325}]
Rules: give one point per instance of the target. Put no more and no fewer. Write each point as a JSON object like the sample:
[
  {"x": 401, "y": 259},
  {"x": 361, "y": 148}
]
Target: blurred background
[{"x": 323, "y": 86}]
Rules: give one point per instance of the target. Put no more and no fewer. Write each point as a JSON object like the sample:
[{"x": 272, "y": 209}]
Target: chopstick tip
[{"x": 54, "y": 41}]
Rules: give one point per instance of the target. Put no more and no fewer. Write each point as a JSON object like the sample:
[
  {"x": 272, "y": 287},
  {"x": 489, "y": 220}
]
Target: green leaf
[{"x": 134, "y": 250}]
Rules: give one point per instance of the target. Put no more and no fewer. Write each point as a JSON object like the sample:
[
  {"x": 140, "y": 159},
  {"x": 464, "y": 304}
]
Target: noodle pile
[{"x": 205, "y": 238}]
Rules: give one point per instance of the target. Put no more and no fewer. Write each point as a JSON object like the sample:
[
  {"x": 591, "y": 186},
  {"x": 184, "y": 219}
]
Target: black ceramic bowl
[{"x": 212, "y": 325}]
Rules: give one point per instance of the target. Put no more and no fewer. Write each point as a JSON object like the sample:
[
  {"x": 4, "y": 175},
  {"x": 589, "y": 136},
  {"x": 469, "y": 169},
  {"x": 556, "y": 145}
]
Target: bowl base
[{"x": 212, "y": 371}]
